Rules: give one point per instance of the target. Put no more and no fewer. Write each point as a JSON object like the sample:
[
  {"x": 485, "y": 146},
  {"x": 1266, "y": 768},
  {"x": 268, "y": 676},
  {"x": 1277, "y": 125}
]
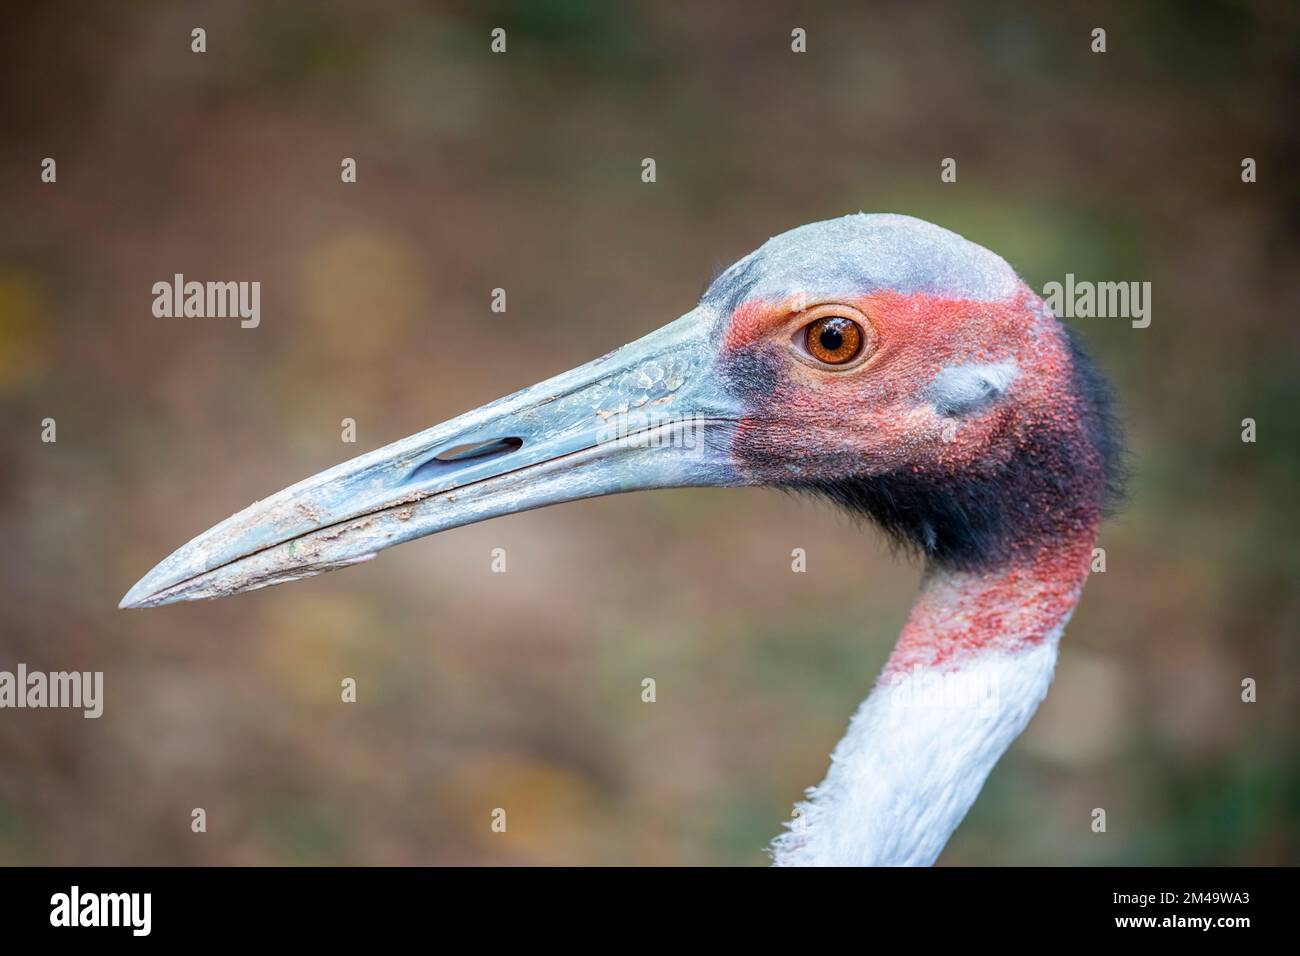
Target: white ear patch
[{"x": 962, "y": 389}]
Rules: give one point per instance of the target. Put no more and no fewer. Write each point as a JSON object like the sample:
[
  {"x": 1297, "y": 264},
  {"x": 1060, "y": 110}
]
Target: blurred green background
[{"x": 522, "y": 171}]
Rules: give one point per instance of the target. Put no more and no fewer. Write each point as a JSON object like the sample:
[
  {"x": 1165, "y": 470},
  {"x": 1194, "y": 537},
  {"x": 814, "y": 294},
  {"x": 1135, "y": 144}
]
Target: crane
[{"x": 878, "y": 361}]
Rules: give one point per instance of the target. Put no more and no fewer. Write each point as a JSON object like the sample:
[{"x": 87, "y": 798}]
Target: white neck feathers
[{"x": 949, "y": 703}]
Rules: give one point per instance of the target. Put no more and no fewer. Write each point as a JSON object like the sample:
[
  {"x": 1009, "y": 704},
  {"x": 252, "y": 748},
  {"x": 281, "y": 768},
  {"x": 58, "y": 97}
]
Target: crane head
[{"x": 879, "y": 360}]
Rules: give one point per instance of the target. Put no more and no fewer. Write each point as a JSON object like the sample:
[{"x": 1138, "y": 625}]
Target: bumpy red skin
[{"x": 809, "y": 422}]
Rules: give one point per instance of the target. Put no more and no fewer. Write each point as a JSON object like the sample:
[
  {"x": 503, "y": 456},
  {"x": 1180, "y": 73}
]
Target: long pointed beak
[{"x": 648, "y": 415}]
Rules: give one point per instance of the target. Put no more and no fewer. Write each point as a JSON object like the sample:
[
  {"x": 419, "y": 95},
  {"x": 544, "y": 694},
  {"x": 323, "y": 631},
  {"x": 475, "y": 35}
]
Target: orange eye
[{"x": 833, "y": 339}]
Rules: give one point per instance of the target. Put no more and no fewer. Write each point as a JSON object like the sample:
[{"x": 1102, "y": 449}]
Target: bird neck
[{"x": 970, "y": 668}]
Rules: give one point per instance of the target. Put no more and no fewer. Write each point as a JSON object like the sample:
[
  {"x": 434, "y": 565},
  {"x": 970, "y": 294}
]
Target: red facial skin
[{"x": 875, "y": 417}]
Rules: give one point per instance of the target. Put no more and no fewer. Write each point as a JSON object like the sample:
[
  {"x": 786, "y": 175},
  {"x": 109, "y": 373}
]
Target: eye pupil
[{"x": 832, "y": 339}]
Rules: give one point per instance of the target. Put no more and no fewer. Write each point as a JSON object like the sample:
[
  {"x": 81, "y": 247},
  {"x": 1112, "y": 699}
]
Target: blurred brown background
[{"x": 522, "y": 171}]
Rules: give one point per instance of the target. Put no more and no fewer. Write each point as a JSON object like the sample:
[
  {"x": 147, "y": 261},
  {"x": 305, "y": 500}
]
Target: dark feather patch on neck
[
  {"x": 1054, "y": 484},
  {"x": 1101, "y": 421}
]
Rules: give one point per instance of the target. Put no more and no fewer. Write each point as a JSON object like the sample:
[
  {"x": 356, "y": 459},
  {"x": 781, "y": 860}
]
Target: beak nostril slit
[
  {"x": 458, "y": 454},
  {"x": 481, "y": 449}
]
